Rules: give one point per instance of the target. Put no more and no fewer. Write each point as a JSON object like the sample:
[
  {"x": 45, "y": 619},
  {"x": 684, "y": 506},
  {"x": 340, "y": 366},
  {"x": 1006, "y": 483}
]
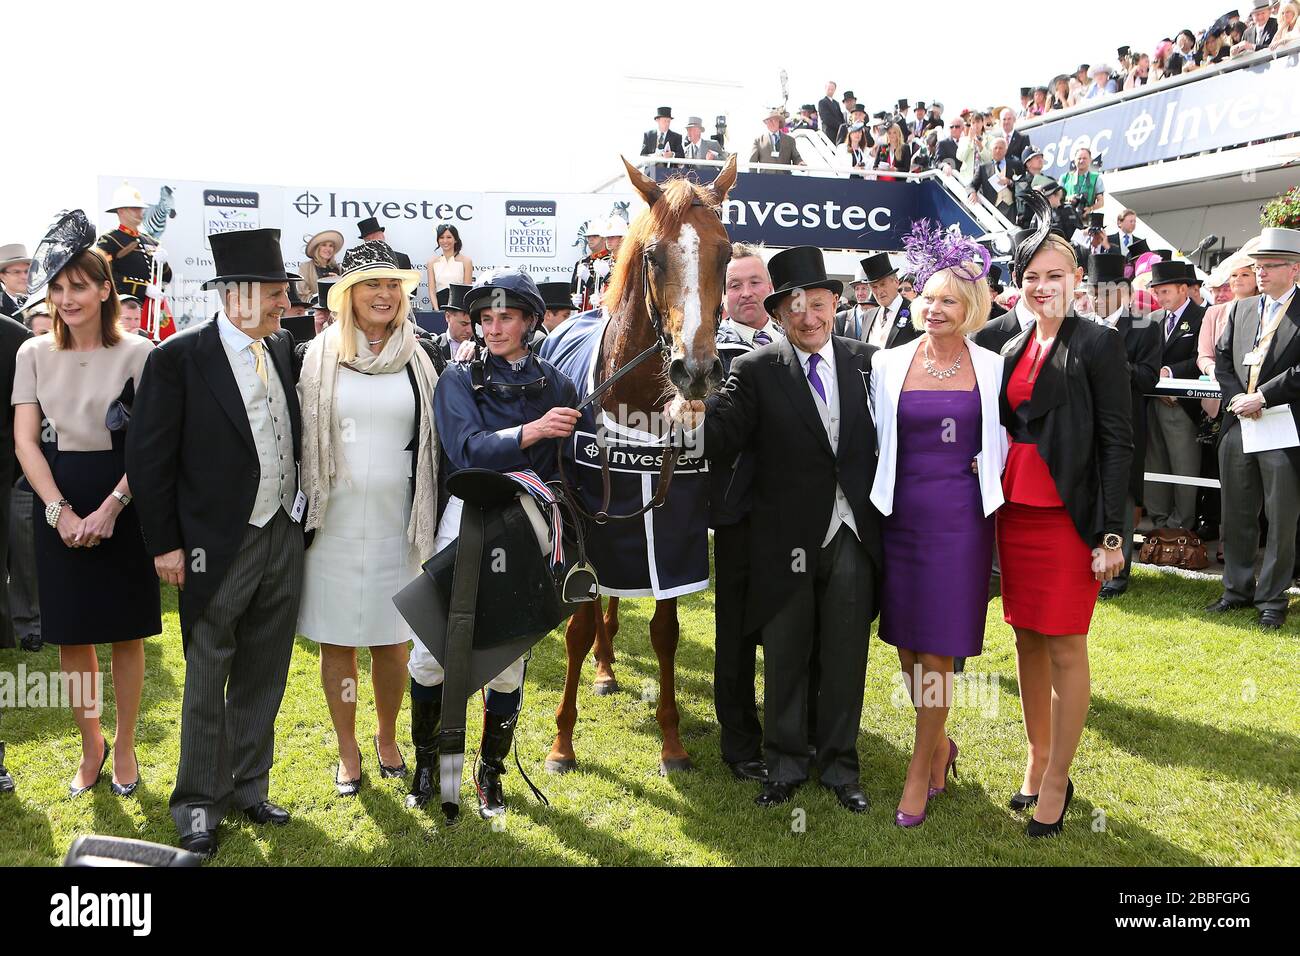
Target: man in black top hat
[
  {"x": 1111, "y": 293},
  {"x": 799, "y": 407},
  {"x": 1172, "y": 448},
  {"x": 663, "y": 141},
  {"x": 559, "y": 305},
  {"x": 890, "y": 322},
  {"x": 371, "y": 230},
  {"x": 212, "y": 456},
  {"x": 459, "y": 329}
]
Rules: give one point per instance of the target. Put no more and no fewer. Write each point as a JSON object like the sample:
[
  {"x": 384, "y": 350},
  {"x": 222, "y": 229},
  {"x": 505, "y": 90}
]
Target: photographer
[{"x": 1083, "y": 183}]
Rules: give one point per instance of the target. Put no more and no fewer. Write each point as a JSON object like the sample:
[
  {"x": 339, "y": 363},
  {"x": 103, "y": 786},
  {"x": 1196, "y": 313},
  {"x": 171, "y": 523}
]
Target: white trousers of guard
[{"x": 424, "y": 667}]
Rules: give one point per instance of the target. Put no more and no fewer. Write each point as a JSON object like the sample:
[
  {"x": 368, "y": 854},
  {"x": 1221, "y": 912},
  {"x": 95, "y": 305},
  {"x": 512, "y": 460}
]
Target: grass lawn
[{"x": 1191, "y": 756}]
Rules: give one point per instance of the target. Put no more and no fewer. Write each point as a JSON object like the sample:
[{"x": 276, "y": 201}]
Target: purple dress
[{"x": 938, "y": 544}]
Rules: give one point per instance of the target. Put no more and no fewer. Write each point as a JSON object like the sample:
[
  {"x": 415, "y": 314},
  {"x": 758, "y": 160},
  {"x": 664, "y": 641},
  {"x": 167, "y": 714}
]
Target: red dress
[{"x": 1047, "y": 582}]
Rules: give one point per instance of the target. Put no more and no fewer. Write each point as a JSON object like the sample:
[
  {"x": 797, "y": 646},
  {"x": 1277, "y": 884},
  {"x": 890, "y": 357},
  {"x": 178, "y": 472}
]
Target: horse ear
[
  {"x": 642, "y": 183},
  {"x": 722, "y": 184}
]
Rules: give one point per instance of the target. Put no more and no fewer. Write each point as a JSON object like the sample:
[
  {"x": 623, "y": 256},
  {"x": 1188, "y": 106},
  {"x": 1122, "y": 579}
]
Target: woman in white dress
[
  {"x": 369, "y": 469},
  {"x": 449, "y": 266}
]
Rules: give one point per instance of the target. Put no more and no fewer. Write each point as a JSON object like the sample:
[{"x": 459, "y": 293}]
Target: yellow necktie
[{"x": 259, "y": 361}]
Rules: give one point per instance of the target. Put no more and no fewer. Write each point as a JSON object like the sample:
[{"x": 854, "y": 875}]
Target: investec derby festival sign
[
  {"x": 537, "y": 233},
  {"x": 832, "y": 212},
  {"x": 1225, "y": 109}
]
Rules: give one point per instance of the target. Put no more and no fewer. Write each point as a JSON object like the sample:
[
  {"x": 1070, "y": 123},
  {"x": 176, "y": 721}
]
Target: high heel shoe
[
  {"x": 124, "y": 790},
  {"x": 950, "y": 765},
  {"x": 384, "y": 769},
  {"x": 348, "y": 788},
  {"x": 75, "y": 791},
  {"x": 1036, "y": 829},
  {"x": 1022, "y": 801}
]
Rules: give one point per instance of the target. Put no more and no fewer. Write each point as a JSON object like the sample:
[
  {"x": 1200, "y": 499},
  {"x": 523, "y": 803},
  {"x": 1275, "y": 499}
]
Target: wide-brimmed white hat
[{"x": 126, "y": 196}]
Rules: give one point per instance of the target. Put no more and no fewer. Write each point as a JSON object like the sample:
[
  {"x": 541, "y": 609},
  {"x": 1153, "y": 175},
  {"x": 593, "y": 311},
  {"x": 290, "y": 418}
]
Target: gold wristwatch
[{"x": 1112, "y": 541}]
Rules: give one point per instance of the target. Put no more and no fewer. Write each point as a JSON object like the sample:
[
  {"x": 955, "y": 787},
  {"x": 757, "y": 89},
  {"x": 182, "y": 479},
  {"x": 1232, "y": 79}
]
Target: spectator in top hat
[
  {"x": 371, "y": 231},
  {"x": 663, "y": 141},
  {"x": 813, "y": 528},
  {"x": 14, "y": 263},
  {"x": 322, "y": 260},
  {"x": 890, "y": 322},
  {"x": 1172, "y": 448},
  {"x": 696, "y": 147},
  {"x": 1262, "y": 29},
  {"x": 322, "y": 317},
  {"x": 773, "y": 147},
  {"x": 829, "y": 113},
  {"x": 459, "y": 329},
  {"x": 1032, "y": 163},
  {"x": 1257, "y": 363},
  {"x": 449, "y": 264},
  {"x": 212, "y": 455},
  {"x": 558, "y": 302}
]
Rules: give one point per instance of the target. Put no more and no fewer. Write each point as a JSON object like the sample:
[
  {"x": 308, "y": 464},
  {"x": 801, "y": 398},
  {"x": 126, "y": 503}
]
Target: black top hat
[
  {"x": 321, "y": 300},
  {"x": 294, "y": 297},
  {"x": 858, "y": 108},
  {"x": 799, "y": 267},
  {"x": 877, "y": 266},
  {"x": 995, "y": 277},
  {"x": 1165, "y": 254},
  {"x": 1165, "y": 272},
  {"x": 555, "y": 295},
  {"x": 1082, "y": 68},
  {"x": 1106, "y": 267},
  {"x": 1138, "y": 247},
  {"x": 1026, "y": 90},
  {"x": 920, "y": 105},
  {"x": 1123, "y": 52},
  {"x": 453, "y": 297},
  {"x": 848, "y": 95},
  {"x": 664, "y": 111},
  {"x": 366, "y": 226},
  {"x": 248, "y": 255},
  {"x": 882, "y": 115},
  {"x": 808, "y": 108},
  {"x": 1096, "y": 220},
  {"x": 1190, "y": 269},
  {"x": 70, "y": 235},
  {"x": 902, "y": 104}
]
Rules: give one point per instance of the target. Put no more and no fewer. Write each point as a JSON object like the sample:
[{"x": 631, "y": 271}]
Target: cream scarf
[{"x": 323, "y": 465}]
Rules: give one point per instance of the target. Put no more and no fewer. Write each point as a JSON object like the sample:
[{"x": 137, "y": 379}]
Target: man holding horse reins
[{"x": 496, "y": 412}]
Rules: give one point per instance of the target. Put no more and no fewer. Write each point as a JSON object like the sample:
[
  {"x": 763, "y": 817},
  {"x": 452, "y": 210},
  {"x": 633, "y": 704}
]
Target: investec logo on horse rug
[{"x": 670, "y": 555}]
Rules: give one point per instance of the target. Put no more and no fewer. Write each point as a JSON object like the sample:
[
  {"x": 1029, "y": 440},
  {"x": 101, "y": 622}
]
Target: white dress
[
  {"x": 360, "y": 556},
  {"x": 447, "y": 272}
]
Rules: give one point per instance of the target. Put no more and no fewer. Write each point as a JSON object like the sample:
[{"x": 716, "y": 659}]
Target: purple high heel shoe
[
  {"x": 908, "y": 820},
  {"x": 950, "y": 765}
]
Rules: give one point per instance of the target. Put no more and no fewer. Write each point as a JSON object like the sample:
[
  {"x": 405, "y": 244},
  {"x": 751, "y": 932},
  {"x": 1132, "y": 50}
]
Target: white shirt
[
  {"x": 883, "y": 322},
  {"x": 748, "y": 332},
  {"x": 1113, "y": 319},
  {"x": 237, "y": 340},
  {"x": 1023, "y": 315},
  {"x": 829, "y": 410}
]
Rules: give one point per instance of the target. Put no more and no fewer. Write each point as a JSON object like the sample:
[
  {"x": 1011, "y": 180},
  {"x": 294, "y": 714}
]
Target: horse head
[{"x": 672, "y": 268}]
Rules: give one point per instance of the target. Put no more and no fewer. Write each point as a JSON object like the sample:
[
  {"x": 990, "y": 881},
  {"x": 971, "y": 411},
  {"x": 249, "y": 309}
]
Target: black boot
[
  {"x": 498, "y": 735},
  {"x": 426, "y": 719},
  {"x": 6, "y": 781}
]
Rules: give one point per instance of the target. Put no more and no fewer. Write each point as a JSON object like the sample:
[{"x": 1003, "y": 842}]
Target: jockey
[{"x": 496, "y": 412}]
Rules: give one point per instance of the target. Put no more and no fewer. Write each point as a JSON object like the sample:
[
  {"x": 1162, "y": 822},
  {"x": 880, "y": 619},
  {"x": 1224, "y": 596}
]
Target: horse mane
[{"x": 663, "y": 218}]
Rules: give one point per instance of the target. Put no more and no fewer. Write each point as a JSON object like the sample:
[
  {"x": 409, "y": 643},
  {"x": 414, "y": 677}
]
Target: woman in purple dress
[{"x": 938, "y": 482}]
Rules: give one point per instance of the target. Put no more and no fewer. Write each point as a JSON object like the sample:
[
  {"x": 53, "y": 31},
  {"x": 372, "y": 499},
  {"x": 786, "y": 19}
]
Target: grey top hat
[
  {"x": 12, "y": 254},
  {"x": 1278, "y": 243},
  {"x": 694, "y": 121}
]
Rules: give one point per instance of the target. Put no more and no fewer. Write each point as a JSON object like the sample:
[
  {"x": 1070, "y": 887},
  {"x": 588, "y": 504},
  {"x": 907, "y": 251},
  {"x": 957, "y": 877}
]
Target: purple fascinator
[{"x": 930, "y": 248}]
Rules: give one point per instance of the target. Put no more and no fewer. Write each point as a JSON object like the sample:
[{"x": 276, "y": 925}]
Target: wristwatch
[
  {"x": 1112, "y": 541},
  {"x": 53, "y": 510},
  {"x": 124, "y": 500}
]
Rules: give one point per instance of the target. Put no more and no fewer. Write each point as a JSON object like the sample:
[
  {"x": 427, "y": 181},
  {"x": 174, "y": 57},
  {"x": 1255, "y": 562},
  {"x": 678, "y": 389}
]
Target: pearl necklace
[{"x": 938, "y": 373}]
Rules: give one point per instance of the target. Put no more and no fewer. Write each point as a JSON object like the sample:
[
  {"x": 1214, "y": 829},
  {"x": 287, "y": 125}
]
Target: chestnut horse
[{"x": 671, "y": 266}]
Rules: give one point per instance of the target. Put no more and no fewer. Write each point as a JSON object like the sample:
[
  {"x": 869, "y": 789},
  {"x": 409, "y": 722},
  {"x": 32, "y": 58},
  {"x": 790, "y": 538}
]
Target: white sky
[{"x": 481, "y": 95}]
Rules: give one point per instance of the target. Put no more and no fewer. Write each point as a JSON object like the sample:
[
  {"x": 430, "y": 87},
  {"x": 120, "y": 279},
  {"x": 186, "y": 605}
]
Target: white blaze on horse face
[{"x": 687, "y": 252}]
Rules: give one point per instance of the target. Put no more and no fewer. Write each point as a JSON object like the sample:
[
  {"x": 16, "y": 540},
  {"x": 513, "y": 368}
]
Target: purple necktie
[
  {"x": 762, "y": 338},
  {"x": 1169, "y": 324},
  {"x": 814, "y": 379}
]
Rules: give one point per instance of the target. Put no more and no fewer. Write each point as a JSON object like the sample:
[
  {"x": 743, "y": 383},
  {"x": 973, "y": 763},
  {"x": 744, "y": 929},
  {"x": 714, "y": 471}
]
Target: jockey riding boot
[
  {"x": 426, "y": 720},
  {"x": 498, "y": 735}
]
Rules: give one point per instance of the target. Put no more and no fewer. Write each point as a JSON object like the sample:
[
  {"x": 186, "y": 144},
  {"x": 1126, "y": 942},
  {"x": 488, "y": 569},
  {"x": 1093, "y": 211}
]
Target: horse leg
[
  {"x": 664, "y": 632},
  {"x": 606, "y": 628},
  {"x": 577, "y": 641}
]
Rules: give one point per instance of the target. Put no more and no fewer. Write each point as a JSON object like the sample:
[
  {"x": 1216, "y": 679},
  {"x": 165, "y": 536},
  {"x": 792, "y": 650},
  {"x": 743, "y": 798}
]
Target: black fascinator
[
  {"x": 1031, "y": 240},
  {"x": 70, "y": 235}
]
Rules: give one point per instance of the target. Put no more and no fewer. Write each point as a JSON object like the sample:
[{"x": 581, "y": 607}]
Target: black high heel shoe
[
  {"x": 384, "y": 769},
  {"x": 125, "y": 790},
  {"x": 348, "y": 788},
  {"x": 1022, "y": 801},
  {"x": 1036, "y": 829},
  {"x": 74, "y": 791}
]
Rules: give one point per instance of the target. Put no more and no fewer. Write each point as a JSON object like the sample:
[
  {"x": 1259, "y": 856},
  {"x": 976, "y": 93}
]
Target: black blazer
[
  {"x": 1179, "y": 351},
  {"x": 983, "y": 183},
  {"x": 1142, "y": 348},
  {"x": 1017, "y": 145},
  {"x": 998, "y": 331},
  {"x": 947, "y": 149},
  {"x": 12, "y": 335},
  {"x": 766, "y": 409},
  {"x": 650, "y": 141},
  {"x": 190, "y": 457},
  {"x": 831, "y": 116},
  {"x": 1279, "y": 377},
  {"x": 902, "y": 162},
  {"x": 1080, "y": 417}
]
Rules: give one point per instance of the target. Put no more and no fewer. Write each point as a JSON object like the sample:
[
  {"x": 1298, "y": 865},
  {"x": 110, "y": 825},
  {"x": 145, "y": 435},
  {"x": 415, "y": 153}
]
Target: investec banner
[
  {"x": 831, "y": 212},
  {"x": 1226, "y": 109},
  {"x": 534, "y": 232}
]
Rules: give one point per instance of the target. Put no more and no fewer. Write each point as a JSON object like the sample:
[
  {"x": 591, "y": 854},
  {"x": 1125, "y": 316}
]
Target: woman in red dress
[{"x": 1065, "y": 404}]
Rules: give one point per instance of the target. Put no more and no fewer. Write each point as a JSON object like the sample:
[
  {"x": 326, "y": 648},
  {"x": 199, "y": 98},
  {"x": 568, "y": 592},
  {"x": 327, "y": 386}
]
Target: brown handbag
[{"x": 1174, "y": 547}]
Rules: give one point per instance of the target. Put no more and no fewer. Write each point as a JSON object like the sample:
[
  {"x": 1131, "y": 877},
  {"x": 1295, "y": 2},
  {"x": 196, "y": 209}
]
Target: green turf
[{"x": 1191, "y": 756}]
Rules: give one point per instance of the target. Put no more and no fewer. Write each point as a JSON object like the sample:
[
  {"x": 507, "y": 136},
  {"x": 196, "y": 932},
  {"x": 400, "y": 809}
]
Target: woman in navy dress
[{"x": 937, "y": 484}]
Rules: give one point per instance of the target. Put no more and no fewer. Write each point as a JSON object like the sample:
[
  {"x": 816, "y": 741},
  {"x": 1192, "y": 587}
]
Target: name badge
[
  {"x": 299, "y": 506},
  {"x": 776, "y": 154}
]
